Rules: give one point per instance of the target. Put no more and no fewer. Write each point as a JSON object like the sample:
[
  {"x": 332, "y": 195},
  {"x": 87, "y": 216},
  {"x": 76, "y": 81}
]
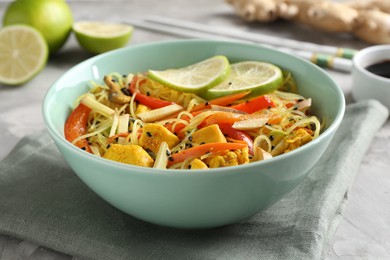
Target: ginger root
[
  {"x": 323, "y": 15},
  {"x": 258, "y": 10},
  {"x": 381, "y": 5},
  {"x": 373, "y": 26},
  {"x": 366, "y": 19}
]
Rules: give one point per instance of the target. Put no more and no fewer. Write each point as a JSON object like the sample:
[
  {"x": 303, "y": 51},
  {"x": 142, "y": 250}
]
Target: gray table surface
[{"x": 364, "y": 232}]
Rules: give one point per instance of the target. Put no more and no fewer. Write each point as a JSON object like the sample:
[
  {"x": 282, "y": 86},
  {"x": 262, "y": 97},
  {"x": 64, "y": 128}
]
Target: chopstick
[
  {"x": 346, "y": 53},
  {"x": 322, "y": 60}
]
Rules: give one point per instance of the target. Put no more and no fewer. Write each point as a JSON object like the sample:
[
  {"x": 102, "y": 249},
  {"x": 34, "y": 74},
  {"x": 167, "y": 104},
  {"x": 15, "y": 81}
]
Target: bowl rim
[{"x": 239, "y": 169}]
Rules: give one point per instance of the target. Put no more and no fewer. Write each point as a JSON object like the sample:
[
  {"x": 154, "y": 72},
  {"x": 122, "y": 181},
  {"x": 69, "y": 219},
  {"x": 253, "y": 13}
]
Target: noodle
[{"x": 287, "y": 125}]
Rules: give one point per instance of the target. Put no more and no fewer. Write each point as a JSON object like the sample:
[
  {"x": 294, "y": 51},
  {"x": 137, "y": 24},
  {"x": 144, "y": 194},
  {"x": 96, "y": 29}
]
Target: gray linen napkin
[{"x": 43, "y": 201}]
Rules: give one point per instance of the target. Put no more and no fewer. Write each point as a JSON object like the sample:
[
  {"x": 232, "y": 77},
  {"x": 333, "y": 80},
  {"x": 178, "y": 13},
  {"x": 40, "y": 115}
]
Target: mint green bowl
[{"x": 192, "y": 199}]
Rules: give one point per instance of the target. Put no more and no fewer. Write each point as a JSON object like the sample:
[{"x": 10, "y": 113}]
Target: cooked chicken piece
[
  {"x": 293, "y": 141},
  {"x": 230, "y": 158},
  {"x": 197, "y": 164},
  {"x": 141, "y": 108},
  {"x": 208, "y": 134},
  {"x": 299, "y": 138},
  {"x": 152, "y": 136},
  {"x": 130, "y": 154}
]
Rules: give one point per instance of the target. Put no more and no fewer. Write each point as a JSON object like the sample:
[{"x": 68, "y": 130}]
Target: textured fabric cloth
[{"x": 43, "y": 201}]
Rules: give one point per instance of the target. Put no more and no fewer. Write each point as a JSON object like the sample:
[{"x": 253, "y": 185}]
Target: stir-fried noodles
[{"x": 133, "y": 119}]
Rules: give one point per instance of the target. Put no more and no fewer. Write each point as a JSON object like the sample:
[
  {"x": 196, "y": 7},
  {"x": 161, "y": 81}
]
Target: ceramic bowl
[
  {"x": 368, "y": 85},
  {"x": 182, "y": 198}
]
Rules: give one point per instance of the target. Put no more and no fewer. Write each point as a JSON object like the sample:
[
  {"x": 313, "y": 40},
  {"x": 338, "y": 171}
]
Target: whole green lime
[{"x": 53, "y": 18}]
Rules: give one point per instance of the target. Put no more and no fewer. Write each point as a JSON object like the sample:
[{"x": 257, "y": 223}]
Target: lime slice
[
  {"x": 98, "y": 37},
  {"x": 23, "y": 53},
  {"x": 259, "y": 77},
  {"x": 196, "y": 77}
]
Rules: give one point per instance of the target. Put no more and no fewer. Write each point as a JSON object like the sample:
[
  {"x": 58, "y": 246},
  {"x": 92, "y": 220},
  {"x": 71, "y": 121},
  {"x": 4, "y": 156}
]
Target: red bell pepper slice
[
  {"x": 76, "y": 125},
  {"x": 222, "y": 101},
  {"x": 146, "y": 100},
  {"x": 222, "y": 117},
  {"x": 255, "y": 104},
  {"x": 229, "y": 131}
]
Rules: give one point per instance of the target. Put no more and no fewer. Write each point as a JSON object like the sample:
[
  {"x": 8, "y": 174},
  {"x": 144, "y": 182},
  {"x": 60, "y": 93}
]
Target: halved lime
[
  {"x": 196, "y": 77},
  {"x": 98, "y": 37},
  {"x": 52, "y": 18},
  {"x": 258, "y": 77},
  {"x": 23, "y": 53}
]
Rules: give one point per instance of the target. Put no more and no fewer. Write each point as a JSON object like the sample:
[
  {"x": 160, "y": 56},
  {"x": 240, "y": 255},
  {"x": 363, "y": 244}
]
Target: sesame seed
[
  {"x": 150, "y": 152},
  {"x": 149, "y": 134},
  {"x": 170, "y": 158},
  {"x": 126, "y": 91}
]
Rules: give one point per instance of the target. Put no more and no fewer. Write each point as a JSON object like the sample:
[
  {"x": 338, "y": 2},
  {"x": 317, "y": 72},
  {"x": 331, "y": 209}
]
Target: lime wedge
[
  {"x": 98, "y": 37},
  {"x": 196, "y": 77},
  {"x": 23, "y": 53},
  {"x": 258, "y": 77}
]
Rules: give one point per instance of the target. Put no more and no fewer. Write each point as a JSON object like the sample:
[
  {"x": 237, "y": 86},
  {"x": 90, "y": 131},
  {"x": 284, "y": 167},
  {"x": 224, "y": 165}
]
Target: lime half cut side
[
  {"x": 258, "y": 77},
  {"x": 98, "y": 37},
  {"x": 23, "y": 54},
  {"x": 196, "y": 77}
]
